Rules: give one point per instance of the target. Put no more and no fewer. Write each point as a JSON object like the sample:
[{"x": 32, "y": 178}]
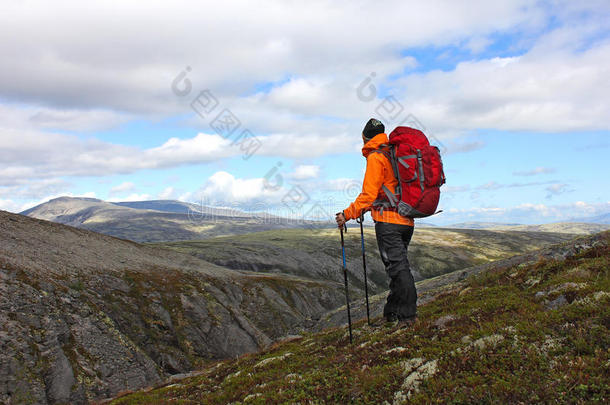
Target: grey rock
[
  {"x": 556, "y": 303},
  {"x": 60, "y": 377},
  {"x": 82, "y": 314},
  {"x": 443, "y": 321},
  {"x": 540, "y": 294}
]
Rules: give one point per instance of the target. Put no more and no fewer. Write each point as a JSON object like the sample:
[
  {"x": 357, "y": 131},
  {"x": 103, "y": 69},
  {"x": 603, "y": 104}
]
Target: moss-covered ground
[{"x": 535, "y": 333}]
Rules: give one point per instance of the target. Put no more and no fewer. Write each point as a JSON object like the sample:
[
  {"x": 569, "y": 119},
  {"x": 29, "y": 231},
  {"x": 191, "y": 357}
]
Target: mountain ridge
[
  {"x": 156, "y": 221},
  {"x": 581, "y": 228}
]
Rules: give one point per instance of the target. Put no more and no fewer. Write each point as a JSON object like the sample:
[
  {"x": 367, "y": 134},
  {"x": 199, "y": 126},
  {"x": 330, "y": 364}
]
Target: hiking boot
[
  {"x": 391, "y": 317},
  {"x": 407, "y": 322}
]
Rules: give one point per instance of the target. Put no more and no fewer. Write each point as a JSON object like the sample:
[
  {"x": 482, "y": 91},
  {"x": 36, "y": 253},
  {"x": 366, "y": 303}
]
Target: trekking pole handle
[
  {"x": 344, "y": 227},
  {"x": 360, "y": 219}
]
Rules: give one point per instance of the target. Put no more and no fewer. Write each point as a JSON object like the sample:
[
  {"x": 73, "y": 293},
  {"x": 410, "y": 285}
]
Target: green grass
[{"x": 501, "y": 345}]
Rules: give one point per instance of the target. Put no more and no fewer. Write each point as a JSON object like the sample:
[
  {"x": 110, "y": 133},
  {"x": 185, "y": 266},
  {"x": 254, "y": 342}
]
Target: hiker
[{"x": 393, "y": 231}]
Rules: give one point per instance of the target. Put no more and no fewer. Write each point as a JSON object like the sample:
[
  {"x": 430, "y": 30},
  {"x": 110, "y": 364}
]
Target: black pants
[{"x": 393, "y": 241}]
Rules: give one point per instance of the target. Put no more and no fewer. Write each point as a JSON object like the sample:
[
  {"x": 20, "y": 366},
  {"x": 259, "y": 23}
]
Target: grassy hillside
[
  {"x": 316, "y": 253},
  {"x": 536, "y": 332}
]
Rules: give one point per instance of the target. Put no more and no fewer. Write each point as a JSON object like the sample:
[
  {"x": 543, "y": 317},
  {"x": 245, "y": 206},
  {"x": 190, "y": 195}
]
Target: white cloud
[
  {"x": 55, "y": 63},
  {"x": 550, "y": 88},
  {"x": 38, "y": 155},
  {"x": 453, "y": 146},
  {"x": 304, "y": 172},
  {"x": 136, "y": 197},
  {"x": 9, "y": 205},
  {"x": 455, "y": 189},
  {"x": 537, "y": 170},
  {"x": 167, "y": 193},
  {"x": 312, "y": 55},
  {"x": 24, "y": 188},
  {"x": 224, "y": 189},
  {"x": 478, "y": 44},
  {"x": 30, "y": 154},
  {"x": 299, "y": 94},
  {"x": 557, "y": 189},
  {"x": 492, "y": 185},
  {"x": 201, "y": 148},
  {"x": 349, "y": 188},
  {"x": 124, "y": 187},
  {"x": 526, "y": 213},
  {"x": 313, "y": 145},
  {"x": 289, "y": 73},
  {"x": 66, "y": 119}
]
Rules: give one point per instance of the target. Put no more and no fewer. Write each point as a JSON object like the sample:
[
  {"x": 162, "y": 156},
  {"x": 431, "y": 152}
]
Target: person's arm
[{"x": 373, "y": 180}]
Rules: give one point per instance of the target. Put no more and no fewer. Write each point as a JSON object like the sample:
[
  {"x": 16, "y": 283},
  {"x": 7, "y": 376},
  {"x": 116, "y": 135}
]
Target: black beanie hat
[{"x": 373, "y": 127}]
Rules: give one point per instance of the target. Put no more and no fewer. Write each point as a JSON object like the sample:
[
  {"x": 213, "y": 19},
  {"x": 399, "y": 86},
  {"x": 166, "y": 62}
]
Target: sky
[{"x": 260, "y": 106}]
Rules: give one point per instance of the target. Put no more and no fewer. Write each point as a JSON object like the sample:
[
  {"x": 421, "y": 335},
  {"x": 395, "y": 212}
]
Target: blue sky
[{"x": 515, "y": 92}]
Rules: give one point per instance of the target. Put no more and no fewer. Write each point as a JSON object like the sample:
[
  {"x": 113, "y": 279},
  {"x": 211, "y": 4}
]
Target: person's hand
[{"x": 340, "y": 218}]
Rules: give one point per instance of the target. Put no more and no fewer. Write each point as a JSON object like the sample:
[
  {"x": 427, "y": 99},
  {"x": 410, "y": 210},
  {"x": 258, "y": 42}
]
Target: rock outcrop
[{"x": 84, "y": 316}]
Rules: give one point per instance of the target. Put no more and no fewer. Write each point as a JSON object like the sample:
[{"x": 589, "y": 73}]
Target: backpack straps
[
  {"x": 394, "y": 163},
  {"x": 421, "y": 170},
  {"x": 391, "y": 197}
]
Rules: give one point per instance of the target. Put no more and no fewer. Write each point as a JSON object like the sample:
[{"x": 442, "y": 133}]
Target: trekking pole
[
  {"x": 349, "y": 315},
  {"x": 360, "y": 220}
]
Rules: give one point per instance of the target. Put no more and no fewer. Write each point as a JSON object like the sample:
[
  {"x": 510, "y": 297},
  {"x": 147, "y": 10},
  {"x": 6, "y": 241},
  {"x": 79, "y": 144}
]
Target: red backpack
[{"x": 419, "y": 170}]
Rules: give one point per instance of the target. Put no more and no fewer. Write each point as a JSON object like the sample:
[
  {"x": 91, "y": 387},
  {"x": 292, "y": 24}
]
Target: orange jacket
[{"x": 378, "y": 172}]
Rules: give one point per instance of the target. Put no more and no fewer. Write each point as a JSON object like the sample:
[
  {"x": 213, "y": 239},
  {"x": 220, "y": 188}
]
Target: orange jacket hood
[{"x": 375, "y": 143}]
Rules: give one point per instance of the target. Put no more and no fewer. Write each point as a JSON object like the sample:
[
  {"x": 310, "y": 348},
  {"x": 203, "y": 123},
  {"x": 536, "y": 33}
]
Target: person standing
[{"x": 393, "y": 231}]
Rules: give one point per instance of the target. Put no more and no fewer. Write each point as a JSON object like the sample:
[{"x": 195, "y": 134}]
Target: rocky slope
[
  {"x": 85, "y": 315},
  {"x": 532, "y": 329}
]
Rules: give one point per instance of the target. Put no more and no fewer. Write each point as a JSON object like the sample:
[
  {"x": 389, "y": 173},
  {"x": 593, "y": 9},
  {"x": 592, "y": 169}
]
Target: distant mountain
[
  {"x": 158, "y": 205},
  {"x": 575, "y": 228},
  {"x": 180, "y": 207},
  {"x": 559, "y": 227},
  {"x": 426, "y": 224},
  {"x": 85, "y": 315},
  {"x": 479, "y": 225},
  {"x": 154, "y": 221},
  {"x": 598, "y": 219}
]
